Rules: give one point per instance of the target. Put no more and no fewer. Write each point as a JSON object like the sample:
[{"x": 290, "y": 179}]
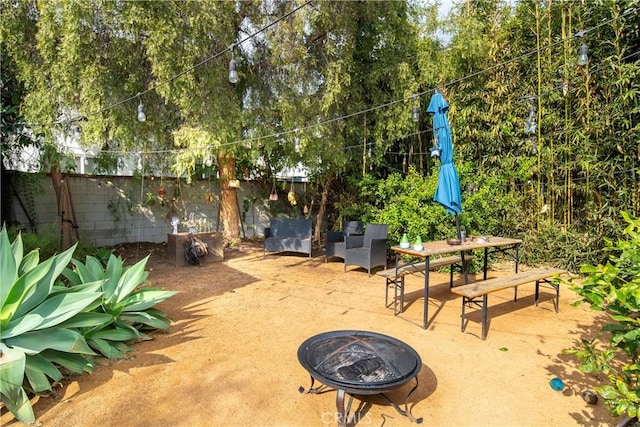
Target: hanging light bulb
[
  {"x": 583, "y": 56},
  {"x": 208, "y": 162},
  {"x": 233, "y": 74},
  {"x": 435, "y": 150},
  {"x": 141, "y": 116},
  {"x": 274, "y": 193},
  {"x": 416, "y": 112},
  {"x": 296, "y": 143},
  {"x": 530, "y": 124}
]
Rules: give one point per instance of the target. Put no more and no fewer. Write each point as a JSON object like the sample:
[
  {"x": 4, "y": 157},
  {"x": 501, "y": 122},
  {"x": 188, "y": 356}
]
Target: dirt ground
[{"x": 230, "y": 356}]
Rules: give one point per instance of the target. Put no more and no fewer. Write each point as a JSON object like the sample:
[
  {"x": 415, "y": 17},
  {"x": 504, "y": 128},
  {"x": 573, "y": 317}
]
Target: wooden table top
[{"x": 442, "y": 247}]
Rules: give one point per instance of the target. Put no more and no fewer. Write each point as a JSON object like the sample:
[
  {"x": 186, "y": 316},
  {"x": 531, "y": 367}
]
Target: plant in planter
[
  {"x": 417, "y": 245},
  {"x": 614, "y": 289},
  {"x": 404, "y": 242}
]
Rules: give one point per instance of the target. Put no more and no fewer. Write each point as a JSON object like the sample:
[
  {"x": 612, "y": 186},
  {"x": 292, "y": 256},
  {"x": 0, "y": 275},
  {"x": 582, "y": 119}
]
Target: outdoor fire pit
[{"x": 359, "y": 363}]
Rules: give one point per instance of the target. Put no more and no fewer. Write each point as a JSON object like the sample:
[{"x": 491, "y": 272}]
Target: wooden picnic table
[{"x": 490, "y": 244}]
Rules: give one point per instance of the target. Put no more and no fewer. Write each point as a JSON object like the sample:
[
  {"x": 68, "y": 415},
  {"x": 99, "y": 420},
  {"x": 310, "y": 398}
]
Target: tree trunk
[
  {"x": 322, "y": 208},
  {"x": 64, "y": 209},
  {"x": 229, "y": 212}
]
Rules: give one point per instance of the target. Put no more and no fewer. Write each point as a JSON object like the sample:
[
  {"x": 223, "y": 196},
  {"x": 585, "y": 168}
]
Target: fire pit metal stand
[{"x": 359, "y": 363}]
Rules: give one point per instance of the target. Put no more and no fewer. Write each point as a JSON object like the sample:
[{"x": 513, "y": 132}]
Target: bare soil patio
[{"x": 230, "y": 356}]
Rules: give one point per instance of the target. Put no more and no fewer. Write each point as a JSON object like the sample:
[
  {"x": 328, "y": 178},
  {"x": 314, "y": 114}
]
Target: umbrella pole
[{"x": 465, "y": 273}]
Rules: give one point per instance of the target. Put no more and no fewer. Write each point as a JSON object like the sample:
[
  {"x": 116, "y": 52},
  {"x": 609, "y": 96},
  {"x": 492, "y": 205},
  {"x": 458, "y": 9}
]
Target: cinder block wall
[{"x": 113, "y": 210}]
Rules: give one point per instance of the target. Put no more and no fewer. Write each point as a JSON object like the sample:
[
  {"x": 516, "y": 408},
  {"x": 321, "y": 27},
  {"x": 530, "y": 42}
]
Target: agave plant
[
  {"x": 125, "y": 302},
  {"x": 32, "y": 309}
]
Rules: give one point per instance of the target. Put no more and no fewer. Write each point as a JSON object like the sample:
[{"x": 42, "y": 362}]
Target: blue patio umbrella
[{"x": 448, "y": 189}]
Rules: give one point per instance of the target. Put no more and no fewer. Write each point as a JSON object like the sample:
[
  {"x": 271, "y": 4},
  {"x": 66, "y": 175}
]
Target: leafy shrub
[
  {"x": 614, "y": 289},
  {"x": 46, "y": 241},
  {"x": 125, "y": 306},
  {"x": 32, "y": 308},
  {"x": 45, "y": 324},
  {"x": 568, "y": 248}
]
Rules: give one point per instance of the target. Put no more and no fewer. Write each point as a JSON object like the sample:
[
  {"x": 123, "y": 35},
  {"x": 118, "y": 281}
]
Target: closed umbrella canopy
[{"x": 448, "y": 189}]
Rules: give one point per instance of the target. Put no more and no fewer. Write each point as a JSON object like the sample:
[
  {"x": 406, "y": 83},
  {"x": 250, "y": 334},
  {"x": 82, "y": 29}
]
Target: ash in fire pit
[
  {"x": 367, "y": 370},
  {"x": 359, "y": 362}
]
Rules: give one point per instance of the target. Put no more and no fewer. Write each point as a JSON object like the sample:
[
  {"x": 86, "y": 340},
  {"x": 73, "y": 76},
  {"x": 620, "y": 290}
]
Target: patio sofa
[{"x": 290, "y": 235}]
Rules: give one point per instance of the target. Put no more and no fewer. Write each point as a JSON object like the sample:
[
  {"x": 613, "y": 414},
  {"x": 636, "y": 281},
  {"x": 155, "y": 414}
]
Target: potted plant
[
  {"x": 417, "y": 245},
  {"x": 404, "y": 242}
]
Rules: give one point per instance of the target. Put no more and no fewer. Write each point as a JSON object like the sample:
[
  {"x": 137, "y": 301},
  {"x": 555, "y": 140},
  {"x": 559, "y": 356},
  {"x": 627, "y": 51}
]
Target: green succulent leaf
[
  {"x": 106, "y": 349},
  {"x": 87, "y": 320},
  {"x": 146, "y": 298},
  {"x": 112, "y": 274},
  {"x": 29, "y": 262},
  {"x": 117, "y": 334},
  {"x": 12, "y": 369},
  {"x": 130, "y": 279},
  {"x": 38, "y": 370},
  {"x": 8, "y": 264},
  {"x": 20, "y": 289},
  {"x": 52, "y": 338},
  {"x": 74, "y": 362},
  {"x": 50, "y": 313},
  {"x": 45, "y": 285},
  {"x": 145, "y": 318}
]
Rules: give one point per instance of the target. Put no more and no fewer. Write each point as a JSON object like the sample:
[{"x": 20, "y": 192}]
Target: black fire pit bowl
[{"x": 359, "y": 362}]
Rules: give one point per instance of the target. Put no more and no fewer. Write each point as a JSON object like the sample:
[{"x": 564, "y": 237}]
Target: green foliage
[
  {"x": 406, "y": 204},
  {"x": 126, "y": 307},
  {"x": 32, "y": 309},
  {"x": 554, "y": 244},
  {"x": 343, "y": 76},
  {"x": 46, "y": 241},
  {"x": 614, "y": 289},
  {"x": 46, "y": 325}
]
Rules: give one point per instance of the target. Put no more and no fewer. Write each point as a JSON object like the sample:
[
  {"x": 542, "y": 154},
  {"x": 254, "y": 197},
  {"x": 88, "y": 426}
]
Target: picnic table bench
[
  {"x": 476, "y": 293},
  {"x": 395, "y": 277}
]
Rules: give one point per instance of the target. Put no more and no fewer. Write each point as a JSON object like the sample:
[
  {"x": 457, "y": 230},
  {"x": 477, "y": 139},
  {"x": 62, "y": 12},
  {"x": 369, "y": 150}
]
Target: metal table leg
[{"x": 425, "y": 311}]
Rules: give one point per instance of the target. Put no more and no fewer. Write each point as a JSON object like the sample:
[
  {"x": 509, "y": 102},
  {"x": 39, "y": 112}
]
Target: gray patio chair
[
  {"x": 335, "y": 246},
  {"x": 368, "y": 251}
]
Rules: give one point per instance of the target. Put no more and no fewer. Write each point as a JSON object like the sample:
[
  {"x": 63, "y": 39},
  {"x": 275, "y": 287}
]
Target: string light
[
  {"x": 296, "y": 142},
  {"x": 233, "y": 74},
  {"x": 530, "y": 124},
  {"x": 141, "y": 116},
  {"x": 583, "y": 57},
  {"x": 416, "y": 112},
  {"x": 435, "y": 150}
]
